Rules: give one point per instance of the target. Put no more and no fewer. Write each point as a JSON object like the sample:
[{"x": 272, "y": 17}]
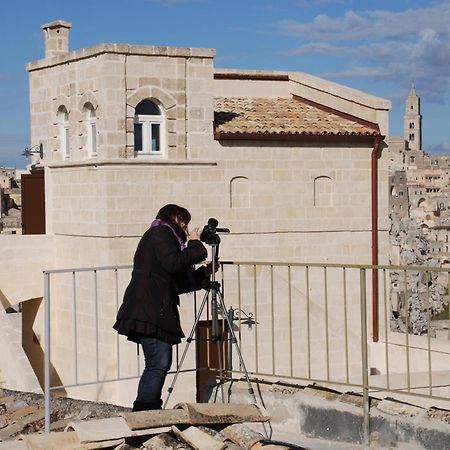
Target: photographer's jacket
[{"x": 161, "y": 271}]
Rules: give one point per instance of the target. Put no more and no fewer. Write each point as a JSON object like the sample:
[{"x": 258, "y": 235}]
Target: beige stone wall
[
  {"x": 264, "y": 194},
  {"x": 114, "y": 82}
]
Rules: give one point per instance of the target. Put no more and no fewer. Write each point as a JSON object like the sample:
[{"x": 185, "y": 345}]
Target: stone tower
[
  {"x": 56, "y": 38},
  {"x": 412, "y": 121}
]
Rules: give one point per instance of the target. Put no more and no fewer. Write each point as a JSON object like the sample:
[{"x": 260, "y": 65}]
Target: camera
[{"x": 210, "y": 230}]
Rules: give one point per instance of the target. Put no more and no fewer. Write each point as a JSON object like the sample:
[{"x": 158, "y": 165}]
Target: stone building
[
  {"x": 293, "y": 164},
  {"x": 420, "y": 214},
  {"x": 10, "y": 200},
  {"x": 419, "y": 183}
]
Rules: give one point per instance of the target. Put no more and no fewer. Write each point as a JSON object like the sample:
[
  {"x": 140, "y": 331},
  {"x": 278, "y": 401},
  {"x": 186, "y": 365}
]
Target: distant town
[{"x": 10, "y": 200}]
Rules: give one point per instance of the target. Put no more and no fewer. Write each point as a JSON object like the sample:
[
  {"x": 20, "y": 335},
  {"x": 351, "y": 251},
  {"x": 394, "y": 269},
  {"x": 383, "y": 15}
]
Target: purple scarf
[{"x": 158, "y": 222}]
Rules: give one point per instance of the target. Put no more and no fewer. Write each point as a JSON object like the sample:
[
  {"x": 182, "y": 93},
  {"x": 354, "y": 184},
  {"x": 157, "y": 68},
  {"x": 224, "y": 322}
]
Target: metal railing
[
  {"x": 66, "y": 298},
  {"x": 294, "y": 322}
]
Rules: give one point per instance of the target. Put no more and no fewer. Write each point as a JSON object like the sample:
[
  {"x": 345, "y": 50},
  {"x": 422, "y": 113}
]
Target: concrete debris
[
  {"x": 242, "y": 435},
  {"x": 440, "y": 414},
  {"x": 163, "y": 441},
  {"x": 157, "y": 418},
  {"x": 140, "y": 430},
  {"x": 33, "y": 421},
  {"x": 52, "y": 441},
  {"x": 391, "y": 406},
  {"x": 198, "y": 439},
  {"x": 196, "y": 414},
  {"x": 317, "y": 391},
  {"x": 100, "y": 430},
  {"x": 223, "y": 413}
]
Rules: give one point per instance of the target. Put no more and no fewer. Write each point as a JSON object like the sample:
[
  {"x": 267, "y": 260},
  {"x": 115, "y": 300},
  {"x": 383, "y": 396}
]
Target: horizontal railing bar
[
  {"x": 89, "y": 269},
  {"x": 335, "y": 265},
  {"x": 111, "y": 380},
  {"x": 273, "y": 263},
  {"x": 288, "y": 377}
]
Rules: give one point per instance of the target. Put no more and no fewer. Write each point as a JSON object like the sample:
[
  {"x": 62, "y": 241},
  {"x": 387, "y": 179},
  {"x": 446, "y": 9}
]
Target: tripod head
[
  {"x": 210, "y": 230},
  {"x": 209, "y": 236}
]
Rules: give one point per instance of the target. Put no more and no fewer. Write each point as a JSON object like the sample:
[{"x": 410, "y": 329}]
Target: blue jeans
[{"x": 158, "y": 359}]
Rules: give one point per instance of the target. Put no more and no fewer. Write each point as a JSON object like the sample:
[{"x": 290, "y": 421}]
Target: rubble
[
  {"x": 419, "y": 296},
  {"x": 90, "y": 425}
]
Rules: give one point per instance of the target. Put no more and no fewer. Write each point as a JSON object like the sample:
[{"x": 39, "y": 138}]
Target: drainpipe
[{"x": 375, "y": 299}]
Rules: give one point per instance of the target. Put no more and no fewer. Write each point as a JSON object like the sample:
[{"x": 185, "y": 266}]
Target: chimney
[{"x": 56, "y": 37}]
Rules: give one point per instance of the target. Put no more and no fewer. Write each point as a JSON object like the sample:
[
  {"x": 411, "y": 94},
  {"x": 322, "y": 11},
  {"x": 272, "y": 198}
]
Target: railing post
[
  {"x": 365, "y": 362},
  {"x": 47, "y": 351}
]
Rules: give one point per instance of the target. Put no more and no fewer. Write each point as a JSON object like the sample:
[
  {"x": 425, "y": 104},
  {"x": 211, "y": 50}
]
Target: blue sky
[{"x": 375, "y": 46}]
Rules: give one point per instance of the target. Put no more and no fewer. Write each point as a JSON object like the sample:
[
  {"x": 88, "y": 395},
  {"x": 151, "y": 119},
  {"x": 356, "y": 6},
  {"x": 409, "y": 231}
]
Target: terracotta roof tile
[{"x": 284, "y": 116}]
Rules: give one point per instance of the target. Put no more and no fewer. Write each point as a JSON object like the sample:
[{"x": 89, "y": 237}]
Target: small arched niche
[
  {"x": 323, "y": 191},
  {"x": 239, "y": 192}
]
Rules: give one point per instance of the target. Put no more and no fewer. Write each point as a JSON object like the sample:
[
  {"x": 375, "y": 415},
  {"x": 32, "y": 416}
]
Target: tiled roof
[{"x": 284, "y": 117}]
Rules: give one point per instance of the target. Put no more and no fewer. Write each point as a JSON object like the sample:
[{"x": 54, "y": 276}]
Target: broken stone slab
[
  {"x": 223, "y": 413},
  {"x": 155, "y": 418},
  {"x": 100, "y": 429},
  {"x": 9, "y": 418},
  {"x": 219, "y": 436},
  {"x": 52, "y": 441},
  {"x": 439, "y": 414},
  {"x": 22, "y": 412},
  {"x": 164, "y": 441},
  {"x": 352, "y": 398},
  {"x": 60, "y": 424},
  {"x": 13, "y": 445},
  {"x": 107, "y": 432},
  {"x": 6, "y": 402},
  {"x": 198, "y": 439},
  {"x": 325, "y": 393},
  {"x": 197, "y": 414},
  {"x": 395, "y": 407},
  {"x": 241, "y": 435},
  {"x": 18, "y": 426},
  {"x": 124, "y": 447}
]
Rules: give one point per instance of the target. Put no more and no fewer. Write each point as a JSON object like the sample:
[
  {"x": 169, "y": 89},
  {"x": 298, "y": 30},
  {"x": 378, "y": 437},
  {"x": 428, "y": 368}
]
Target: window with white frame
[
  {"x": 91, "y": 126},
  {"x": 64, "y": 131},
  {"x": 149, "y": 129}
]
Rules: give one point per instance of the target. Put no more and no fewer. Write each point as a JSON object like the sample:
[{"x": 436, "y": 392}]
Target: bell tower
[{"x": 412, "y": 120}]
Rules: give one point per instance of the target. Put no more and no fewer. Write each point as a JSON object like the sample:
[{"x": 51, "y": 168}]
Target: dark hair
[{"x": 169, "y": 213}]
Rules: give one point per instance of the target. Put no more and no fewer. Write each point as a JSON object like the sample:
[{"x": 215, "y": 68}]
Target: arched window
[
  {"x": 91, "y": 129},
  {"x": 64, "y": 131},
  {"x": 149, "y": 129}
]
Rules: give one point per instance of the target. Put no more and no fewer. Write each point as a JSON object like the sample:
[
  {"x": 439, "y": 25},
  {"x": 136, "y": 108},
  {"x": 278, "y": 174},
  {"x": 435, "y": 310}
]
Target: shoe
[{"x": 146, "y": 406}]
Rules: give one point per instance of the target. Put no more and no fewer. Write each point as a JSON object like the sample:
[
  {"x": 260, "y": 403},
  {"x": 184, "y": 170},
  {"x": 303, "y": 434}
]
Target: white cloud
[
  {"x": 369, "y": 25},
  {"x": 384, "y": 45},
  {"x": 322, "y": 48},
  {"x": 442, "y": 148}
]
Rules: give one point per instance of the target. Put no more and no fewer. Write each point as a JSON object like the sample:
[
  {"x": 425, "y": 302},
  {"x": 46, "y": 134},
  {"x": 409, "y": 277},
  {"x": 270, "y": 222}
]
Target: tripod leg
[
  {"x": 186, "y": 348},
  {"x": 241, "y": 359},
  {"x": 234, "y": 341}
]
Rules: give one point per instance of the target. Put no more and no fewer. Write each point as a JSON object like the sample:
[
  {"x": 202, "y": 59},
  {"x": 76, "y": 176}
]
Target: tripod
[{"x": 217, "y": 302}]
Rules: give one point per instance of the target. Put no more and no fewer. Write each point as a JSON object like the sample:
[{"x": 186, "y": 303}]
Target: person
[{"x": 162, "y": 269}]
